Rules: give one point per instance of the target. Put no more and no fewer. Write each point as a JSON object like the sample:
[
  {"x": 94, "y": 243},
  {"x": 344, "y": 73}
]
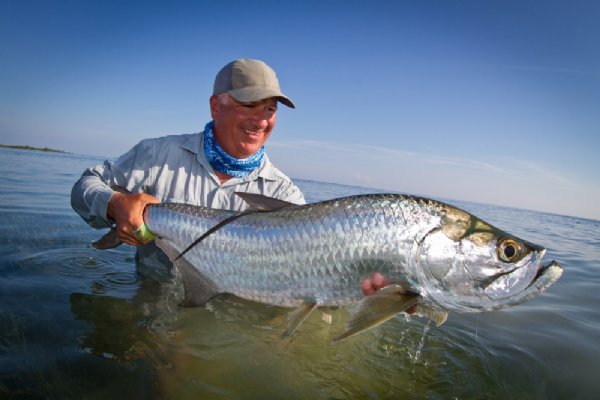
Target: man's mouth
[{"x": 252, "y": 133}]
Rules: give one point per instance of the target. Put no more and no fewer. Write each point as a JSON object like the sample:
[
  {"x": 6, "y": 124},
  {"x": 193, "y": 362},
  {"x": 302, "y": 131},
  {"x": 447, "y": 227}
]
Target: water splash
[{"x": 417, "y": 355}]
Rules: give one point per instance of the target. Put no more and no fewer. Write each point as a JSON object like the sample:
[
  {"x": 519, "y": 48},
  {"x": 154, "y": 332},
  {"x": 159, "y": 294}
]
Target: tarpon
[{"x": 436, "y": 257}]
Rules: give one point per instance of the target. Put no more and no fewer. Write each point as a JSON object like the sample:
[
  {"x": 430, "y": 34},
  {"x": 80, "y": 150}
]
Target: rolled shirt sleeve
[
  {"x": 92, "y": 192},
  {"x": 174, "y": 169}
]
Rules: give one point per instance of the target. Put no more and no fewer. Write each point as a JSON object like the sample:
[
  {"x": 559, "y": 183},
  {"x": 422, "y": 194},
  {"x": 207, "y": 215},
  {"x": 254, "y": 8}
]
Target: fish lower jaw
[{"x": 547, "y": 274}]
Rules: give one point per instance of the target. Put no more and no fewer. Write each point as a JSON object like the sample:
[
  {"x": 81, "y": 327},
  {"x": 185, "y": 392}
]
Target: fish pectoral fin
[
  {"x": 108, "y": 241},
  {"x": 296, "y": 317},
  {"x": 377, "y": 308},
  {"x": 437, "y": 316},
  {"x": 263, "y": 203}
]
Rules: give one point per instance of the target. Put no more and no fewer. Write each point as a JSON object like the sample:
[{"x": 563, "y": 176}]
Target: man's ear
[{"x": 215, "y": 106}]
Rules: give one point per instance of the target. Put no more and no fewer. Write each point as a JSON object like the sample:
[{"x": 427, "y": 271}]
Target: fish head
[{"x": 466, "y": 264}]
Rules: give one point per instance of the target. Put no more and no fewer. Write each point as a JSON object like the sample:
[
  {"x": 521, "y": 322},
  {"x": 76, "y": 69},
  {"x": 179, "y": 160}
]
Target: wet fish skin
[
  {"x": 435, "y": 256},
  {"x": 318, "y": 254}
]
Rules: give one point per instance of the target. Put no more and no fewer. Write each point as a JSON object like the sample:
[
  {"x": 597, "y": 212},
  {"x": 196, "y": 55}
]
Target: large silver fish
[{"x": 436, "y": 257}]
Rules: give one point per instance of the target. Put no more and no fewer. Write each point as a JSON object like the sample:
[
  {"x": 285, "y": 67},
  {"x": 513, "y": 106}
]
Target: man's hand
[
  {"x": 127, "y": 211},
  {"x": 377, "y": 281}
]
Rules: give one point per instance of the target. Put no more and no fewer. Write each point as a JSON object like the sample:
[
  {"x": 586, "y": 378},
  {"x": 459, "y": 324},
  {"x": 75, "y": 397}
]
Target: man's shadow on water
[{"x": 122, "y": 329}]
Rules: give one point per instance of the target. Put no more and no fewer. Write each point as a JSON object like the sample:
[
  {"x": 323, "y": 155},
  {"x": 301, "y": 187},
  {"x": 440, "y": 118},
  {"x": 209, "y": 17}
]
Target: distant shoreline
[{"x": 31, "y": 148}]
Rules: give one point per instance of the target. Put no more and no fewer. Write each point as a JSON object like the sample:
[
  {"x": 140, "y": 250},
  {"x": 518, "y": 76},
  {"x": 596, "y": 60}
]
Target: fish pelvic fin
[
  {"x": 108, "y": 241},
  {"x": 378, "y": 308},
  {"x": 259, "y": 202},
  {"x": 297, "y": 317},
  {"x": 326, "y": 315}
]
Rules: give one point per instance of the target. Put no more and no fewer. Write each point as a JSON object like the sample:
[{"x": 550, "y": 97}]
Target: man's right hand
[{"x": 127, "y": 210}]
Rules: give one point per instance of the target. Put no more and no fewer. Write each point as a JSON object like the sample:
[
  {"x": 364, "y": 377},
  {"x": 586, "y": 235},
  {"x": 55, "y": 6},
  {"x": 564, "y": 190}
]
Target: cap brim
[{"x": 256, "y": 93}]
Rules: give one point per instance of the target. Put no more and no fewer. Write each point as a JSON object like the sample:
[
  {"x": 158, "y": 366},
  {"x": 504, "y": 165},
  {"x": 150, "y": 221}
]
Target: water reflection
[
  {"x": 81, "y": 323},
  {"x": 117, "y": 329}
]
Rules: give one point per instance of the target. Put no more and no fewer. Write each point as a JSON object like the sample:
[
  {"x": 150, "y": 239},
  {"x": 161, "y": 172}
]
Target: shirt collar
[{"x": 195, "y": 144}]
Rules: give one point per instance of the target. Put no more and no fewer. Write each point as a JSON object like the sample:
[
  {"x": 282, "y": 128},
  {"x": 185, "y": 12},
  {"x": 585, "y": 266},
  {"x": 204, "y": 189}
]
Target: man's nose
[{"x": 261, "y": 117}]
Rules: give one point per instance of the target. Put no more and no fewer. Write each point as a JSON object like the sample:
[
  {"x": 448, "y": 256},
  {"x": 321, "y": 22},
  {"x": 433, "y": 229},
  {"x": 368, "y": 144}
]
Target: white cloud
[{"x": 504, "y": 181}]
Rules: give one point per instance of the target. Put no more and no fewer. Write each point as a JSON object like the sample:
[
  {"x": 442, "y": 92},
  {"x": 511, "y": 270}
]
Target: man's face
[{"x": 242, "y": 128}]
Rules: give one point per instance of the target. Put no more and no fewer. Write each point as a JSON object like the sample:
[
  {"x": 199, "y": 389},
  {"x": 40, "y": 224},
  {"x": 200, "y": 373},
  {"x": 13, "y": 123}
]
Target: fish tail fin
[
  {"x": 111, "y": 239},
  {"x": 108, "y": 241}
]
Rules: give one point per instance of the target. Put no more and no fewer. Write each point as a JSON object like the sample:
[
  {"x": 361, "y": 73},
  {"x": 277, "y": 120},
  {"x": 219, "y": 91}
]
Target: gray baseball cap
[{"x": 248, "y": 80}]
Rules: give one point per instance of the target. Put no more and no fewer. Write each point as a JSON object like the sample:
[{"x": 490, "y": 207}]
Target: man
[{"x": 204, "y": 169}]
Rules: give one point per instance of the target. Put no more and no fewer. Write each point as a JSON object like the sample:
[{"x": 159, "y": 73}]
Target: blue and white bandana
[{"x": 223, "y": 162}]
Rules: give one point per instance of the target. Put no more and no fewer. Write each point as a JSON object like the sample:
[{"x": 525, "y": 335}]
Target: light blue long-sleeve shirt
[{"x": 174, "y": 169}]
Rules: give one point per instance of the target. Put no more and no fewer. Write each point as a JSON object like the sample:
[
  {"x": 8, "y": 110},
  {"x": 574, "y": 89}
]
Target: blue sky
[{"x": 487, "y": 101}]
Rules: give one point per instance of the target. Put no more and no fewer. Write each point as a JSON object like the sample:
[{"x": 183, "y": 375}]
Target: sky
[{"x": 493, "y": 101}]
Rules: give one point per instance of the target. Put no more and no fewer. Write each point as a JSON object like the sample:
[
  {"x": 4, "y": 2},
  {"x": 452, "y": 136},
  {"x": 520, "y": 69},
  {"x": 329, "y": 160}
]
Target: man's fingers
[
  {"x": 367, "y": 287},
  {"x": 378, "y": 281},
  {"x": 370, "y": 286},
  {"x": 127, "y": 211}
]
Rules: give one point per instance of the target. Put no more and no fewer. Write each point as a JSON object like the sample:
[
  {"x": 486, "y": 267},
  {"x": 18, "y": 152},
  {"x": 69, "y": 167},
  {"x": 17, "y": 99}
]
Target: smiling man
[{"x": 205, "y": 168}]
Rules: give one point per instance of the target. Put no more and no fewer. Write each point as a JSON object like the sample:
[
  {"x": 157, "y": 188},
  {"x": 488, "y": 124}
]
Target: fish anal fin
[
  {"x": 108, "y": 241},
  {"x": 198, "y": 289},
  {"x": 263, "y": 203},
  {"x": 378, "y": 308},
  {"x": 296, "y": 317}
]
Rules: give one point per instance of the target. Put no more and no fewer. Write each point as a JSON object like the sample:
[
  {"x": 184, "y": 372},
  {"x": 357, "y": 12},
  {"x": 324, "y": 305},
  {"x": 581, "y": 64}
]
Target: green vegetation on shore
[{"x": 31, "y": 148}]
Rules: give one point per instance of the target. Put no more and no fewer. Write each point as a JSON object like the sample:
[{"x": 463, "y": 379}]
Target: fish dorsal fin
[
  {"x": 261, "y": 202},
  {"x": 257, "y": 202},
  {"x": 296, "y": 317},
  {"x": 377, "y": 308},
  {"x": 198, "y": 289},
  {"x": 212, "y": 230}
]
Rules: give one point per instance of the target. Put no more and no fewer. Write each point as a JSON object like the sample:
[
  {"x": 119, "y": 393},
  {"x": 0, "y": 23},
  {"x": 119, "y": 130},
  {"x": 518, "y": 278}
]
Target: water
[{"x": 80, "y": 323}]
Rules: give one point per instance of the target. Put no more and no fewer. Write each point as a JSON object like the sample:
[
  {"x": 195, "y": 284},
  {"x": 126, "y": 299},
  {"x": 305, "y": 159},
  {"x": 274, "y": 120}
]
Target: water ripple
[{"x": 85, "y": 269}]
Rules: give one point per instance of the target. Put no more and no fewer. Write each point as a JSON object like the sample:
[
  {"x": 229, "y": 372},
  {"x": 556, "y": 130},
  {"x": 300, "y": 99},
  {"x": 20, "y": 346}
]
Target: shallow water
[{"x": 81, "y": 323}]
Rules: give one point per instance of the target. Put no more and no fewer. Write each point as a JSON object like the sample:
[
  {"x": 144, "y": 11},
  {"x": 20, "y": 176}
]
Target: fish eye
[{"x": 508, "y": 250}]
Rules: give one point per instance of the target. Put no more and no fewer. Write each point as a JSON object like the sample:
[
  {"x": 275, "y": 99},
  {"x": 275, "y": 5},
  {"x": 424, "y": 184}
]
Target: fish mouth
[{"x": 545, "y": 277}]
